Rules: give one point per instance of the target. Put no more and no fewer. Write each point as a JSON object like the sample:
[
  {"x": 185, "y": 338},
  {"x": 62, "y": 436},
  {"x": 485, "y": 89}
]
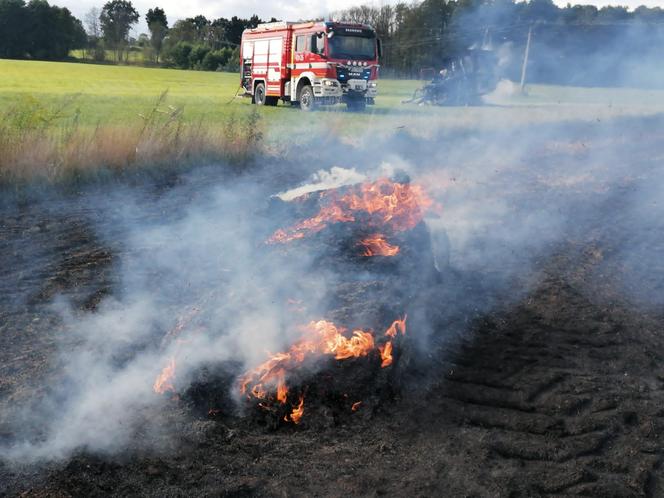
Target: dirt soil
[{"x": 557, "y": 392}]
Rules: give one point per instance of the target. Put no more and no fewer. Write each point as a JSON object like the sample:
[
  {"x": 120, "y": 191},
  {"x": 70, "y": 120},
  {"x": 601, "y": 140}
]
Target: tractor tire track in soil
[{"x": 557, "y": 393}]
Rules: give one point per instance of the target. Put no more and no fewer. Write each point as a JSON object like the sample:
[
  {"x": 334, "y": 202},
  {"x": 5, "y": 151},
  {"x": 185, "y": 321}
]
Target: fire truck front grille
[{"x": 345, "y": 74}]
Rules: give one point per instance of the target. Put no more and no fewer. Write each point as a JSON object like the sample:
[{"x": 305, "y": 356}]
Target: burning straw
[
  {"x": 266, "y": 383},
  {"x": 383, "y": 206}
]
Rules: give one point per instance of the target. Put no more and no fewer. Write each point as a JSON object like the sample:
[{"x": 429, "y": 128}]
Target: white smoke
[
  {"x": 206, "y": 267},
  {"x": 511, "y": 190},
  {"x": 324, "y": 180}
]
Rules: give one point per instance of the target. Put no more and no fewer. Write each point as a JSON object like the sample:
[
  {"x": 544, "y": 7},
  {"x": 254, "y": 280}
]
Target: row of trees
[
  {"x": 414, "y": 35},
  {"x": 110, "y": 28},
  {"x": 192, "y": 43},
  {"x": 200, "y": 43},
  {"x": 38, "y": 30}
]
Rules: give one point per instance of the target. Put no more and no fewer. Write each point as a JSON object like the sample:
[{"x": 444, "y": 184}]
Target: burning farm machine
[
  {"x": 310, "y": 64},
  {"x": 463, "y": 80},
  {"x": 373, "y": 237}
]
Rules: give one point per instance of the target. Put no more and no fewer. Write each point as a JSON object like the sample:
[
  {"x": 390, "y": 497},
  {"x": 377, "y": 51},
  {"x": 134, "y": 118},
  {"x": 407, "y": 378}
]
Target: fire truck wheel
[
  {"x": 307, "y": 99},
  {"x": 259, "y": 94}
]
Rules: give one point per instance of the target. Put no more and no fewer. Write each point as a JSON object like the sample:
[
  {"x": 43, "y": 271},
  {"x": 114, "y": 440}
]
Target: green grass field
[
  {"x": 113, "y": 94},
  {"x": 117, "y": 94},
  {"x": 63, "y": 117}
]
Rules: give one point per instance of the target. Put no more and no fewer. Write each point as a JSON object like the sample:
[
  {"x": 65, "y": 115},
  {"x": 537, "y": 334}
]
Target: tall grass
[{"x": 46, "y": 142}]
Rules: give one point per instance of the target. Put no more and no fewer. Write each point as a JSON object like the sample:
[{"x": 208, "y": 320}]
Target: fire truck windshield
[{"x": 352, "y": 47}]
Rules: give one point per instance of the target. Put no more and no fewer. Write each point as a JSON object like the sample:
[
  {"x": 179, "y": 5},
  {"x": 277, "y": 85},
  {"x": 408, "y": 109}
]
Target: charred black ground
[{"x": 551, "y": 386}]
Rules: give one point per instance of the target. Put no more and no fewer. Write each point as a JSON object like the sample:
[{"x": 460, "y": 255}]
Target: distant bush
[
  {"x": 179, "y": 54},
  {"x": 186, "y": 55},
  {"x": 233, "y": 64},
  {"x": 216, "y": 59},
  {"x": 196, "y": 56}
]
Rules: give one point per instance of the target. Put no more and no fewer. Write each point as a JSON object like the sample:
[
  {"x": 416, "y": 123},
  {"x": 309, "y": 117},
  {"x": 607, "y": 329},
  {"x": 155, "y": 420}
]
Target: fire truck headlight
[
  {"x": 330, "y": 83},
  {"x": 373, "y": 84}
]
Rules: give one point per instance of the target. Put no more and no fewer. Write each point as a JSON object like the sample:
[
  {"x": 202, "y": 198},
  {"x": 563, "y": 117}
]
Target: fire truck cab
[{"x": 310, "y": 64}]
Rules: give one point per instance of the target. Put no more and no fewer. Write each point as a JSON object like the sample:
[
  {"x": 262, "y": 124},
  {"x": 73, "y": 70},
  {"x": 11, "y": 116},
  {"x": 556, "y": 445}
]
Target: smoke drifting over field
[
  {"x": 575, "y": 45},
  {"x": 204, "y": 265},
  {"x": 197, "y": 284},
  {"x": 193, "y": 262}
]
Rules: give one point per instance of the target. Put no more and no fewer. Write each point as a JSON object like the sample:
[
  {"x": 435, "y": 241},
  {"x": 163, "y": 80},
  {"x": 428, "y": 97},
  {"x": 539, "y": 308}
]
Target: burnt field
[{"x": 531, "y": 364}]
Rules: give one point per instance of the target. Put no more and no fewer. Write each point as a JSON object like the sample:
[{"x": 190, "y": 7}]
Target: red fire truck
[{"x": 310, "y": 64}]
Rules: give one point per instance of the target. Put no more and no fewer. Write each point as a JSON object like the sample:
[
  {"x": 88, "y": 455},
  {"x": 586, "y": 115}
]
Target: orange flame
[
  {"x": 355, "y": 406},
  {"x": 164, "y": 382},
  {"x": 399, "y": 206},
  {"x": 376, "y": 245},
  {"x": 282, "y": 389},
  {"x": 386, "y": 354},
  {"x": 398, "y": 325},
  {"x": 323, "y": 338},
  {"x": 297, "y": 412},
  {"x": 320, "y": 338}
]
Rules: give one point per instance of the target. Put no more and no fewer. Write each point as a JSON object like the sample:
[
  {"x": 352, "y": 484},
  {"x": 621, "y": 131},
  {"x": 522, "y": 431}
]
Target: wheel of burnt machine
[{"x": 307, "y": 99}]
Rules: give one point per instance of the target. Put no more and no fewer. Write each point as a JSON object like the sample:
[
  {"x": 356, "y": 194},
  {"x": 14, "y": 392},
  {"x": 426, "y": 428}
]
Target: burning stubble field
[{"x": 469, "y": 309}]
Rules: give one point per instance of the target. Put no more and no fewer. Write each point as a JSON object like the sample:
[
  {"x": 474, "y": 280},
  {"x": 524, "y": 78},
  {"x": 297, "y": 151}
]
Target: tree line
[
  {"x": 414, "y": 36},
  {"x": 192, "y": 43},
  {"x": 38, "y": 30},
  {"x": 576, "y": 44}
]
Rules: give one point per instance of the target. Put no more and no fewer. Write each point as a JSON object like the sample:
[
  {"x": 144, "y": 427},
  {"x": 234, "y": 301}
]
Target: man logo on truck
[{"x": 310, "y": 64}]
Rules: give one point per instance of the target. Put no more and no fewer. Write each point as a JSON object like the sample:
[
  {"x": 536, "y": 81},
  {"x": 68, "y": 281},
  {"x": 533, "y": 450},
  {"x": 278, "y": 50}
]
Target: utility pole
[{"x": 525, "y": 60}]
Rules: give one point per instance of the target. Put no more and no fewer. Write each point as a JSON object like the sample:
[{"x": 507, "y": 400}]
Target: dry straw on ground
[{"x": 38, "y": 143}]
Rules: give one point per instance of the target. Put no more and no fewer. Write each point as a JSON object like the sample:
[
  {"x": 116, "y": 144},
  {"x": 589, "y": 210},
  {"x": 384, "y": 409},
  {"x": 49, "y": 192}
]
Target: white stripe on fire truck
[{"x": 311, "y": 65}]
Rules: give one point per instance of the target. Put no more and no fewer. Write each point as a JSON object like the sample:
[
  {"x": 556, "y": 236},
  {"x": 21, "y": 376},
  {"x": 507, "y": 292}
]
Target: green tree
[
  {"x": 95, "y": 46},
  {"x": 613, "y": 14},
  {"x": 182, "y": 30},
  {"x": 179, "y": 54},
  {"x": 216, "y": 59},
  {"x": 234, "y": 27},
  {"x": 52, "y": 31},
  {"x": 158, "y": 26},
  {"x": 542, "y": 10},
  {"x": 116, "y": 19},
  {"x": 38, "y": 30},
  {"x": 201, "y": 26},
  {"x": 196, "y": 56},
  {"x": 13, "y": 25}
]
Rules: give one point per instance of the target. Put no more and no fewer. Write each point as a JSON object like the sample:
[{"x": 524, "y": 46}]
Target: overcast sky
[{"x": 291, "y": 10}]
